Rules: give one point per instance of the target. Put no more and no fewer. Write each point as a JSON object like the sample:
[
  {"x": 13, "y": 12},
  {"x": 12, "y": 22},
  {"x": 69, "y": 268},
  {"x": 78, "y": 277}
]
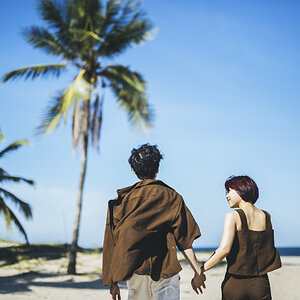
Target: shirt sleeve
[
  {"x": 108, "y": 249},
  {"x": 186, "y": 230}
]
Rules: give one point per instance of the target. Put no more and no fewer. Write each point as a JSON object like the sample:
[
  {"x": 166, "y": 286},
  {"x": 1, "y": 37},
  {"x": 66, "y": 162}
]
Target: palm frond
[
  {"x": 130, "y": 90},
  {"x": 130, "y": 28},
  {"x": 123, "y": 16},
  {"x": 82, "y": 35},
  {"x": 59, "y": 16},
  {"x": 41, "y": 38},
  {"x": 14, "y": 146},
  {"x": 5, "y": 209},
  {"x": 124, "y": 76},
  {"x": 10, "y": 217},
  {"x": 109, "y": 17},
  {"x": 5, "y": 178},
  {"x": 23, "y": 207},
  {"x": 85, "y": 14},
  {"x": 3, "y": 172},
  {"x": 35, "y": 71},
  {"x": 79, "y": 90},
  {"x": 54, "y": 13},
  {"x": 118, "y": 42},
  {"x": 51, "y": 116}
]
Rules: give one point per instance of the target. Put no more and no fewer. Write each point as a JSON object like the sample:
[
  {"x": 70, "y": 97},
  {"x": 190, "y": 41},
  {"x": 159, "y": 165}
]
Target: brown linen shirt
[{"x": 144, "y": 225}]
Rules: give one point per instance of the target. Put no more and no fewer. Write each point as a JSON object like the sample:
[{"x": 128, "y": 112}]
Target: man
[{"x": 144, "y": 225}]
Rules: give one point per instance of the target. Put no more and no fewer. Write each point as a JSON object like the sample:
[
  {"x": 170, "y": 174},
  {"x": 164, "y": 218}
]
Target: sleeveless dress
[{"x": 252, "y": 256}]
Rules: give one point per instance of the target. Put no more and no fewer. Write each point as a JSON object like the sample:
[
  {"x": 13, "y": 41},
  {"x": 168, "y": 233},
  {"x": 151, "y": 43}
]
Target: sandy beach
[{"x": 46, "y": 279}]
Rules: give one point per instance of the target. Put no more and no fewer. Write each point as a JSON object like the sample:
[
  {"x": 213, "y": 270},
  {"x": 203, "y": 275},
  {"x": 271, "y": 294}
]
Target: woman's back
[
  {"x": 253, "y": 252},
  {"x": 256, "y": 219}
]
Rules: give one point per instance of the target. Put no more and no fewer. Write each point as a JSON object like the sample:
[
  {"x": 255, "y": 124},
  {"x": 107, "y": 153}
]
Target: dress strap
[
  {"x": 268, "y": 220},
  {"x": 243, "y": 218}
]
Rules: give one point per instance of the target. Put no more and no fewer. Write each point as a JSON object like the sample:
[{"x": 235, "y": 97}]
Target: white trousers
[{"x": 143, "y": 287}]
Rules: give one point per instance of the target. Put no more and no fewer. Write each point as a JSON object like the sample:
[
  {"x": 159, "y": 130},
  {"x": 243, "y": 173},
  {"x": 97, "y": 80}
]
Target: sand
[{"x": 39, "y": 279}]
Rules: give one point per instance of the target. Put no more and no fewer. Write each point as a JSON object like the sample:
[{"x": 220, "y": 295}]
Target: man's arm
[
  {"x": 199, "y": 276},
  {"x": 186, "y": 230}
]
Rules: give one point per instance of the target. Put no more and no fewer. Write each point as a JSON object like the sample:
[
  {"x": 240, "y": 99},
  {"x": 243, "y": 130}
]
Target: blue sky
[{"x": 223, "y": 79}]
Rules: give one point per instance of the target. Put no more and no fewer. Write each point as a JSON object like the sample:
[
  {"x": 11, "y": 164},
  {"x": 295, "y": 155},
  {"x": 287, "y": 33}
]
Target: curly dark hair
[
  {"x": 145, "y": 161},
  {"x": 245, "y": 187}
]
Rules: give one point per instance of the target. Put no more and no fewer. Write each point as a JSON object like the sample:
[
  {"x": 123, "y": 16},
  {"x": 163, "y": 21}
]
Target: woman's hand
[
  {"x": 198, "y": 281},
  {"x": 115, "y": 292}
]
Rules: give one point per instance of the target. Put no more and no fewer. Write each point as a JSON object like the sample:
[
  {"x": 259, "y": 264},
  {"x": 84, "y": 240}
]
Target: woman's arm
[{"x": 226, "y": 242}]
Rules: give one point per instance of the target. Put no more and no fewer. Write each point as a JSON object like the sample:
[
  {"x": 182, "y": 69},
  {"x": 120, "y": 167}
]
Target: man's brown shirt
[{"x": 144, "y": 225}]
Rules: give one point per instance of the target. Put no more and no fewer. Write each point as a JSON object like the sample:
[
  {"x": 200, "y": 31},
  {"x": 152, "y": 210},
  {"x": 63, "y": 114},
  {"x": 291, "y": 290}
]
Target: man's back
[{"x": 144, "y": 225}]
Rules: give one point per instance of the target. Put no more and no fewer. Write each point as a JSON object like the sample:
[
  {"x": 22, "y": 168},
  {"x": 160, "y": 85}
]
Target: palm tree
[
  {"x": 86, "y": 34},
  {"x": 6, "y": 196}
]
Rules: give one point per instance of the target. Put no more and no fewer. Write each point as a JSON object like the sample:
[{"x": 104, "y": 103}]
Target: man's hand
[
  {"x": 198, "y": 282},
  {"x": 199, "y": 277},
  {"x": 115, "y": 292}
]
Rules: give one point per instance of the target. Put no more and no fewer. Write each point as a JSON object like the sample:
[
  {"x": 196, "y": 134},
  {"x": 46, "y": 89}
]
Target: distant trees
[
  {"x": 86, "y": 34},
  {"x": 7, "y": 198}
]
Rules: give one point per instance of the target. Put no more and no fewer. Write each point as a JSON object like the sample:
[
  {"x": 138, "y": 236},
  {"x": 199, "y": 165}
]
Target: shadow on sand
[
  {"x": 23, "y": 282},
  {"x": 11, "y": 255}
]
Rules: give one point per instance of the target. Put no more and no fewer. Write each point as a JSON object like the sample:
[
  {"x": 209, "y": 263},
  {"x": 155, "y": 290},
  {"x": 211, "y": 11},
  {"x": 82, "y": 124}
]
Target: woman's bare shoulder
[
  {"x": 263, "y": 211},
  {"x": 232, "y": 215}
]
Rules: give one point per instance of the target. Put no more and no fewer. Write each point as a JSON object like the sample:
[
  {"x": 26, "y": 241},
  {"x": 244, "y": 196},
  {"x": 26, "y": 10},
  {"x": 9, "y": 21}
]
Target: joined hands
[{"x": 197, "y": 282}]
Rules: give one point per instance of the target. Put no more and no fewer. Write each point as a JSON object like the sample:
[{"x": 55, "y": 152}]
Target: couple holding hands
[{"x": 149, "y": 220}]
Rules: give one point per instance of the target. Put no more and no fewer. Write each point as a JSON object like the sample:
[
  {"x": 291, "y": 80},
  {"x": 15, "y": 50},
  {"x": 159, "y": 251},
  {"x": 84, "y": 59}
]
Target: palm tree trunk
[{"x": 74, "y": 245}]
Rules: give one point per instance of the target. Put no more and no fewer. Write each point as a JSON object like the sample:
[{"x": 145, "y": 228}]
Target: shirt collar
[{"x": 122, "y": 192}]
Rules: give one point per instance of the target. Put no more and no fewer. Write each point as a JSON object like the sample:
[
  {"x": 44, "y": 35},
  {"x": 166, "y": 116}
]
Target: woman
[{"x": 247, "y": 243}]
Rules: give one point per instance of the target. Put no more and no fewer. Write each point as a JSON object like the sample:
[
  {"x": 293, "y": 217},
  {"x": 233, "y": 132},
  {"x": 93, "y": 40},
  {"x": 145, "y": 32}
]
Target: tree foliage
[
  {"x": 7, "y": 198},
  {"x": 86, "y": 34}
]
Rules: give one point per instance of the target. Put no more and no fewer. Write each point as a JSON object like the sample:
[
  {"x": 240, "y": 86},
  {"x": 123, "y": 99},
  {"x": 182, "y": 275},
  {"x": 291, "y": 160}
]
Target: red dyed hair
[{"x": 244, "y": 186}]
